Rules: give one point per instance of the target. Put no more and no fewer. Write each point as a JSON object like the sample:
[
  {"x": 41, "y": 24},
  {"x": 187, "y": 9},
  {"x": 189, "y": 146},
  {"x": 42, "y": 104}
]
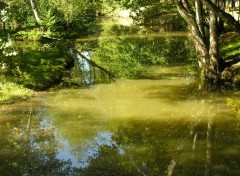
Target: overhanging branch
[{"x": 222, "y": 14}]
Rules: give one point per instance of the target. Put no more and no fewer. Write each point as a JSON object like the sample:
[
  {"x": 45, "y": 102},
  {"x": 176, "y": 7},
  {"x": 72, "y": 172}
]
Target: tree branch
[
  {"x": 94, "y": 63},
  {"x": 189, "y": 17},
  {"x": 222, "y": 14},
  {"x": 187, "y": 6}
]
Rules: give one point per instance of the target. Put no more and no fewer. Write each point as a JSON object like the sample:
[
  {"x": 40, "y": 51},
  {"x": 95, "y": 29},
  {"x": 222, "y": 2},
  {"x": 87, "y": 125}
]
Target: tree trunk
[
  {"x": 35, "y": 11},
  {"x": 199, "y": 16},
  {"x": 196, "y": 27},
  {"x": 214, "y": 70}
]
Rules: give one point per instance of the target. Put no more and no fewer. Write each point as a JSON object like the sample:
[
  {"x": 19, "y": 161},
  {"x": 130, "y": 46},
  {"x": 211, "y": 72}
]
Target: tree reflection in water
[
  {"x": 208, "y": 136},
  {"x": 134, "y": 127},
  {"x": 92, "y": 149},
  {"x": 31, "y": 148},
  {"x": 34, "y": 144}
]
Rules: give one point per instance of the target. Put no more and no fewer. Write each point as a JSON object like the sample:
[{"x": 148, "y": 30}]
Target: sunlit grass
[{"x": 11, "y": 93}]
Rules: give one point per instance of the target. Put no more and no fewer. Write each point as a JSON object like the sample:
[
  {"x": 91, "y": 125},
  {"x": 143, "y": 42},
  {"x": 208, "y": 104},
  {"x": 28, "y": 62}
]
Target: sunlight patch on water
[{"x": 155, "y": 99}]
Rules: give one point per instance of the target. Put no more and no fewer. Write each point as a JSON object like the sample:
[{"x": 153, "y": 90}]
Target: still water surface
[
  {"x": 168, "y": 125},
  {"x": 130, "y": 127}
]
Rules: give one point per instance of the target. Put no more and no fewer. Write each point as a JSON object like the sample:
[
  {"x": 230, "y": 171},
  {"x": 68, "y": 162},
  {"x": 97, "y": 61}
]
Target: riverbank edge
[{"x": 11, "y": 93}]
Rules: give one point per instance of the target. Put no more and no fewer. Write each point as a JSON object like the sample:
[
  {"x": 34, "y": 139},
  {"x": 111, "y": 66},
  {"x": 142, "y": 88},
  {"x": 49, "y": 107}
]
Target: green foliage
[
  {"x": 49, "y": 20},
  {"x": 113, "y": 55},
  {"x": 33, "y": 35},
  {"x": 35, "y": 68},
  {"x": 128, "y": 57},
  {"x": 68, "y": 18},
  {"x": 6, "y": 53},
  {"x": 75, "y": 16},
  {"x": 5, "y": 47},
  {"x": 4, "y": 15},
  {"x": 137, "y": 3},
  {"x": 155, "y": 15},
  {"x": 2, "y": 5},
  {"x": 109, "y": 7},
  {"x": 72, "y": 18},
  {"x": 12, "y": 92},
  {"x": 20, "y": 14}
]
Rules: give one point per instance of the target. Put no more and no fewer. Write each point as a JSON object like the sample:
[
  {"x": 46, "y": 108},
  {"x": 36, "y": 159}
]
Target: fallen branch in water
[{"x": 75, "y": 51}]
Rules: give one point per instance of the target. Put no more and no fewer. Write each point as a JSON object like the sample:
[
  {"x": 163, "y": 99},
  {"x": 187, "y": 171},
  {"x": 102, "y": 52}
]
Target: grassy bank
[
  {"x": 229, "y": 46},
  {"x": 12, "y": 93}
]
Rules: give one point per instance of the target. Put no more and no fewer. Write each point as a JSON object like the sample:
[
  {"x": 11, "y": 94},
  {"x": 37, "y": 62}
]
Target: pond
[{"x": 129, "y": 105}]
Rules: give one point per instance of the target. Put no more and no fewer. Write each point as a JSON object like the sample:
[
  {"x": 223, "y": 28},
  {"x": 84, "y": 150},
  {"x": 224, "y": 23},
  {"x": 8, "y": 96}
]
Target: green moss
[{"x": 11, "y": 93}]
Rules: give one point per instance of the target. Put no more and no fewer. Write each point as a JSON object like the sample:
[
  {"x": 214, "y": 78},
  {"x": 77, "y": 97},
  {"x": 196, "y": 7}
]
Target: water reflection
[
  {"x": 86, "y": 71},
  {"x": 128, "y": 56},
  {"x": 131, "y": 127},
  {"x": 92, "y": 149},
  {"x": 85, "y": 66},
  {"x": 161, "y": 125},
  {"x": 43, "y": 65},
  {"x": 64, "y": 152},
  {"x": 28, "y": 145}
]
